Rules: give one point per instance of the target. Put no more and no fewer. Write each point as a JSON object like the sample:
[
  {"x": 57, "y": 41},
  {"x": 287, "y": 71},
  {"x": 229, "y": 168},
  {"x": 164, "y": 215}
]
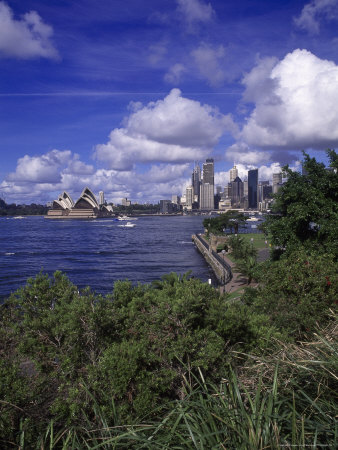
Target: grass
[{"x": 258, "y": 240}]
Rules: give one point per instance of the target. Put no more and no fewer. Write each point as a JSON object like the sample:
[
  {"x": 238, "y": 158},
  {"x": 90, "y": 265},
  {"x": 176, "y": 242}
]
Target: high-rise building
[
  {"x": 196, "y": 181},
  {"x": 277, "y": 181},
  {"x": 189, "y": 197},
  {"x": 237, "y": 192},
  {"x": 261, "y": 186},
  {"x": 207, "y": 196},
  {"x": 253, "y": 188},
  {"x": 175, "y": 199},
  {"x": 207, "y": 185},
  {"x": 101, "y": 198},
  {"x": 233, "y": 173},
  {"x": 208, "y": 171}
]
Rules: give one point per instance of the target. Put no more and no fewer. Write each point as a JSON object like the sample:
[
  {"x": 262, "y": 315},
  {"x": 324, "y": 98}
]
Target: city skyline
[{"x": 124, "y": 97}]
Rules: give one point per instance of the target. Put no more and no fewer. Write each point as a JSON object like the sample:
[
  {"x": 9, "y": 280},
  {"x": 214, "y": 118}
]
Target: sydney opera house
[{"x": 86, "y": 207}]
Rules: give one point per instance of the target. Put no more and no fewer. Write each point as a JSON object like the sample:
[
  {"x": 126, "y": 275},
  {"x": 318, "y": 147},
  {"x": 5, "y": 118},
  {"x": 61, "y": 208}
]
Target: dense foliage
[
  {"x": 21, "y": 210},
  {"x": 136, "y": 347},
  {"x": 231, "y": 220},
  {"x": 306, "y": 208},
  {"x": 137, "y": 209}
]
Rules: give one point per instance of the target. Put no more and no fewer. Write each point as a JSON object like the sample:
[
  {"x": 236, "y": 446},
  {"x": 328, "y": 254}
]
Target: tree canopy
[{"x": 306, "y": 208}]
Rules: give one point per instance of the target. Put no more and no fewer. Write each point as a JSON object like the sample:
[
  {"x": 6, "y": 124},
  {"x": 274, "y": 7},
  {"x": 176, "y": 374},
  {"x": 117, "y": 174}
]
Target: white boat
[
  {"x": 127, "y": 225},
  {"x": 126, "y": 218}
]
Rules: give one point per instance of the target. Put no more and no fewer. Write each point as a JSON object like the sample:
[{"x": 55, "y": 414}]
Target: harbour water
[{"x": 96, "y": 253}]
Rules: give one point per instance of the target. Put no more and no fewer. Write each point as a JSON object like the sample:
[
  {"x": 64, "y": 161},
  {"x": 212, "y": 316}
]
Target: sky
[{"x": 125, "y": 96}]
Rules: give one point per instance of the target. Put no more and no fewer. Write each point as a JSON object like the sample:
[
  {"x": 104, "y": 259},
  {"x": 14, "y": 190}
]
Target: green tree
[
  {"x": 230, "y": 219},
  {"x": 306, "y": 208}
]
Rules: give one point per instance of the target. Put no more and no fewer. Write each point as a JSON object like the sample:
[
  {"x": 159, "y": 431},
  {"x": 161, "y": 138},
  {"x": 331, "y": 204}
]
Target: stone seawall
[{"x": 221, "y": 269}]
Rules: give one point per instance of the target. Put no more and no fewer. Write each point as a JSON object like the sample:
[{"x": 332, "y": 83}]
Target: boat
[
  {"x": 127, "y": 225},
  {"x": 126, "y": 218}
]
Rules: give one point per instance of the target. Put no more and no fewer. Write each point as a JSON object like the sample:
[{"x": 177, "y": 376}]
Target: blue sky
[{"x": 123, "y": 95}]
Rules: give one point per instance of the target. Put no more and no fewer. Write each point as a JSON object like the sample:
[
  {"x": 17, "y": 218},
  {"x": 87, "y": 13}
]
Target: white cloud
[
  {"x": 175, "y": 129},
  {"x": 299, "y": 108},
  {"x": 209, "y": 63},
  {"x": 40, "y": 169},
  {"x": 240, "y": 152},
  {"x": 314, "y": 12},
  {"x": 174, "y": 75},
  {"x": 27, "y": 38},
  {"x": 195, "y": 11}
]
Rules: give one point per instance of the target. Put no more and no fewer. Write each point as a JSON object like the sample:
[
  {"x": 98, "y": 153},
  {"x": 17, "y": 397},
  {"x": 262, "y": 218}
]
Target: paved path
[{"x": 239, "y": 280}]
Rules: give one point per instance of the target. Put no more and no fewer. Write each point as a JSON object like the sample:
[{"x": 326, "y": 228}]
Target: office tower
[
  {"x": 245, "y": 185},
  {"x": 253, "y": 188},
  {"x": 207, "y": 185},
  {"x": 189, "y": 197},
  {"x": 261, "y": 184},
  {"x": 207, "y": 196},
  {"x": 101, "y": 198},
  {"x": 237, "y": 192},
  {"x": 176, "y": 199},
  {"x": 276, "y": 182},
  {"x": 233, "y": 173},
  {"x": 208, "y": 171},
  {"x": 196, "y": 181}
]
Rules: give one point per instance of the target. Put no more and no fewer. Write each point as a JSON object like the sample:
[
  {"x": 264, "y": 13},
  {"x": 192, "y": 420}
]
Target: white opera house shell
[{"x": 86, "y": 207}]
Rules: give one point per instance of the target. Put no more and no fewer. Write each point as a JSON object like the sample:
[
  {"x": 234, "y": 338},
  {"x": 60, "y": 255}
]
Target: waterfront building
[
  {"x": 207, "y": 196},
  {"x": 253, "y": 188},
  {"x": 277, "y": 182},
  {"x": 233, "y": 174},
  {"x": 167, "y": 207},
  {"x": 86, "y": 207},
  {"x": 176, "y": 199}
]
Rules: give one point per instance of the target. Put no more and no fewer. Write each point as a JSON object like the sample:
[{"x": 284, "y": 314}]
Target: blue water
[{"x": 97, "y": 253}]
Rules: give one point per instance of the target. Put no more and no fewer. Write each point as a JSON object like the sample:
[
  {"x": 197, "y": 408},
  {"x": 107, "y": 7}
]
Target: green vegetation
[
  {"x": 306, "y": 208},
  {"x": 174, "y": 364},
  {"x": 21, "y": 210},
  {"x": 231, "y": 219},
  {"x": 137, "y": 209}
]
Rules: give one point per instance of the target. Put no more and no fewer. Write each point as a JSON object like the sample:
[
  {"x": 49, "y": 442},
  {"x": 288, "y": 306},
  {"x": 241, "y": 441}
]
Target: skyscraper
[
  {"x": 233, "y": 173},
  {"x": 189, "y": 197},
  {"x": 196, "y": 181},
  {"x": 208, "y": 171},
  {"x": 207, "y": 185},
  {"x": 276, "y": 182},
  {"x": 101, "y": 198},
  {"x": 237, "y": 192},
  {"x": 253, "y": 188},
  {"x": 207, "y": 196}
]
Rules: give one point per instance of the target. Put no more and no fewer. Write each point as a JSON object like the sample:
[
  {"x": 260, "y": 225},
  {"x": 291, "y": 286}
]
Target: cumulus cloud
[
  {"x": 41, "y": 169},
  {"x": 27, "y": 38},
  {"x": 209, "y": 63},
  {"x": 314, "y": 12},
  {"x": 298, "y": 107},
  {"x": 175, "y": 129},
  {"x": 195, "y": 11}
]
